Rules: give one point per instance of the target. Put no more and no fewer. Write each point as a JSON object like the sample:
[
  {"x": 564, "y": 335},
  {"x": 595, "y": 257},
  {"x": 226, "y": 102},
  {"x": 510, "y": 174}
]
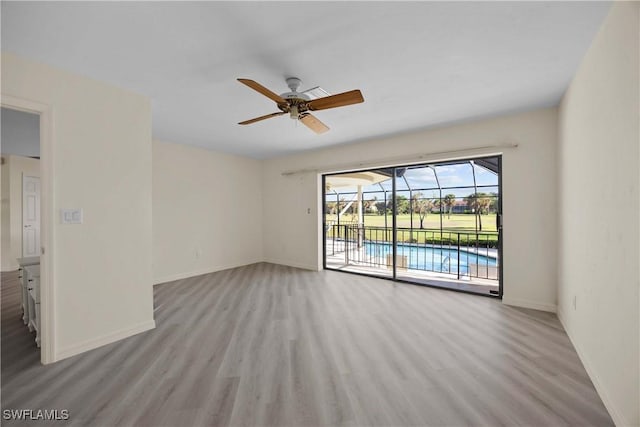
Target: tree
[
  {"x": 449, "y": 202},
  {"x": 402, "y": 205},
  {"x": 484, "y": 201},
  {"x": 479, "y": 204},
  {"x": 332, "y": 208},
  {"x": 369, "y": 206},
  {"x": 421, "y": 206},
  {"x": 494, "y": 202},
  {"x": 437, "y": 204}
]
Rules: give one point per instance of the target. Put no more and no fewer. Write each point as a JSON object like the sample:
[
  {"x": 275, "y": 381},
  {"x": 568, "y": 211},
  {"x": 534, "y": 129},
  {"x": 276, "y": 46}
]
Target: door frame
[
  {"x": 47, "y": 217},
  {"x": 394, "y": 167},
  {"x": 499, "y": 215}
]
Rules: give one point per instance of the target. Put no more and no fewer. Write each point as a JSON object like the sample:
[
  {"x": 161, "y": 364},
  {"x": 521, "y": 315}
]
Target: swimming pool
[{"x": 430, "y": 258}]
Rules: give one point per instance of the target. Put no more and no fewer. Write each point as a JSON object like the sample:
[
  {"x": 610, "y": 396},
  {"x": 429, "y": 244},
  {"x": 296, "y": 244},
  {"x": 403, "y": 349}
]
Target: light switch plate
[{"x": 71, "y": 216}]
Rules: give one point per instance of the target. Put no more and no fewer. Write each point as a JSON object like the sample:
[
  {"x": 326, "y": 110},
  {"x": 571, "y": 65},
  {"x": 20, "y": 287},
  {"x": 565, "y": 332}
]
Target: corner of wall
[
  {"x": 294, "y": 264},
  {"x": 598, "y": 384},
  {"x": 535, "y": 305},
  {"x": 103, "y": 340},
  {"x": 201, "y": 235}
]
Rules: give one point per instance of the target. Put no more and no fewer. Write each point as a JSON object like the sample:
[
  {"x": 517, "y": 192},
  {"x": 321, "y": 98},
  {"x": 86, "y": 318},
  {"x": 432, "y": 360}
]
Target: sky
[{"x": 423, "y": 179}]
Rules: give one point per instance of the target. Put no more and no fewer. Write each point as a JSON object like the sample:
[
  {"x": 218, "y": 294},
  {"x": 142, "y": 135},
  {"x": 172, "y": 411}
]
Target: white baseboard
[
  {"x": 92, "y": 343},
  {"x": 535, "y": 305},
  {"x": 292, "y": 264},
  {"x": 617, "y": 417},
  {"x": 200, "y": 272}
]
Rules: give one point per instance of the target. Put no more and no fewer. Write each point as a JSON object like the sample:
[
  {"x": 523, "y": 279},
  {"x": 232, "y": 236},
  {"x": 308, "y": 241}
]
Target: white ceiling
[{"x": 418, "y": 64}]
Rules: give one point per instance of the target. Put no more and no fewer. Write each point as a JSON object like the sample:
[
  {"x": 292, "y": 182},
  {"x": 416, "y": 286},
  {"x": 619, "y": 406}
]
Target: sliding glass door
[
  {"x": 358, "y": 221},
  {"x": 433, "y": 224}
]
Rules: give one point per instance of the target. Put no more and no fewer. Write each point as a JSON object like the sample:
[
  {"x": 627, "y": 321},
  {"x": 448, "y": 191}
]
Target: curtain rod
[{"x": 410, "y": 159}]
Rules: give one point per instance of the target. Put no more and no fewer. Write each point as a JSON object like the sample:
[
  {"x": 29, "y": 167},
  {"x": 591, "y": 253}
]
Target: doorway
[
  {"x": 435, "y": 224},
  {"x": 26, "y": 223}
]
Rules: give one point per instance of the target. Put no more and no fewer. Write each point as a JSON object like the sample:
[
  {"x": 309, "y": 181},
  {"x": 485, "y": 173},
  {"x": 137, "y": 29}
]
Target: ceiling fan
[{"x": 299, "y": 105}]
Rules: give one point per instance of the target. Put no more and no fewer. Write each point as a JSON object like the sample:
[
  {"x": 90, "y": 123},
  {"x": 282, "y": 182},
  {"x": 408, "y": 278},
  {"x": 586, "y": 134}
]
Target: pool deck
[{"x": 445, "y": 280}]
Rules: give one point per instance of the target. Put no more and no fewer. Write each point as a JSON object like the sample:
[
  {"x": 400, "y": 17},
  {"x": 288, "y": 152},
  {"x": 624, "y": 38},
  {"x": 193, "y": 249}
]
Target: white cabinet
[
  {"x": 32, "y": 274},
  {"x": 23, "y": 263}
]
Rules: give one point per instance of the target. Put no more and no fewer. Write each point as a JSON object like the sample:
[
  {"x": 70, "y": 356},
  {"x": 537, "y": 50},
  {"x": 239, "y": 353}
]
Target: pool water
[{"x": 441, "y": 260}]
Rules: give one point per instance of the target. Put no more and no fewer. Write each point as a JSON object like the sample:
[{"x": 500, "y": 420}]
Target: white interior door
[{"x": 30, "y": 216}]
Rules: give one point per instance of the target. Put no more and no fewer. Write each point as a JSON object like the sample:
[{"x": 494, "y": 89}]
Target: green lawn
[
  {"x": 457, "y": 222},
  {"x": 451, "y": 227}
]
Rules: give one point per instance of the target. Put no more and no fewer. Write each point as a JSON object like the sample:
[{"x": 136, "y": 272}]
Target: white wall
[
  {"x": 101, "y": 154},
  {"x": 599, "y": 212},
  {"x": 207, "y": 211},
  {"x": 529, "y": 177},
  {"x": 20, "y": 133},
  {"x": 17, "y": 166}
]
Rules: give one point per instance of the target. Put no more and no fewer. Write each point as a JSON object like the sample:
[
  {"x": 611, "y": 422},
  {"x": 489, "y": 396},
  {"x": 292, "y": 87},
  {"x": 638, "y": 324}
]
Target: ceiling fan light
[
  {"x": 316, "y": 92},
  {"x": 293, "y": 112}
]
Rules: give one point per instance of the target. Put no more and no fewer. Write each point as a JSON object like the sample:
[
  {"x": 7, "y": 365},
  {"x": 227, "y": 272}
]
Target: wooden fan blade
[
  {"x": 257, "y": 119},
  {"x": 312, "y": 122},
  {"x": 263, "y": 90},
  {"x": 333, "y": 101}
]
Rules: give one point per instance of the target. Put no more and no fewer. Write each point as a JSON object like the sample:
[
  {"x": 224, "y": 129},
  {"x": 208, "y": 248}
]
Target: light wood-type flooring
[{"x": 267, "y": 345}]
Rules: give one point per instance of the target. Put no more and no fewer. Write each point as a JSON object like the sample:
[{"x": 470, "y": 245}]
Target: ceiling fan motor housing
[
  {"x": 294, "y": 83},
  {"x": 296, "y": 95}
]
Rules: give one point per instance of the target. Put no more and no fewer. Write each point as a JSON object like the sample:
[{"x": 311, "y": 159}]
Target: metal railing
[{"x": 458, "y": 253}]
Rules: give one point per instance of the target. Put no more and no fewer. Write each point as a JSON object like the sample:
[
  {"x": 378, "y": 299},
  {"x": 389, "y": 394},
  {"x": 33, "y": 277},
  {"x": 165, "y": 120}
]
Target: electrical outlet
[{"x": 309, "y": 211}]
